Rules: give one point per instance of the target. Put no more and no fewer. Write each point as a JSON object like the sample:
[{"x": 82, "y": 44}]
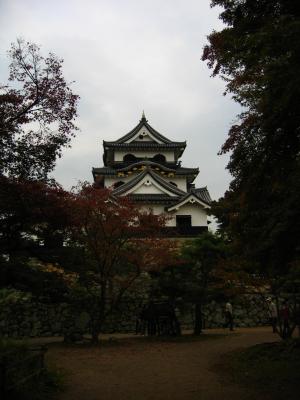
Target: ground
[{"x": 137, "y": 368}]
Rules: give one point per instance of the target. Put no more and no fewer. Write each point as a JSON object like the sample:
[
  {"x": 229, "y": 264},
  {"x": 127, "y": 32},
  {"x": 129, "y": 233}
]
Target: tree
[
  {"x": 119, "y": 241},
  {"x": 257, "y": 54},
  {"x": 200, "y": 276},
  {"x": 35, "y": 221},
  {"x": 37, "y": 111}
]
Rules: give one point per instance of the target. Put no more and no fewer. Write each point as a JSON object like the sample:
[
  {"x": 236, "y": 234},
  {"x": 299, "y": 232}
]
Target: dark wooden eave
[
  {"x": 154, "y": 199},
  {"x": 181, "y": 171}
]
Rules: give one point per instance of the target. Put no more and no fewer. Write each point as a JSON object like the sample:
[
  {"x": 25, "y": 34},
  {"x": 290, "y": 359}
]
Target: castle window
[
  {"x": 160, "y": 158},
  {"x": 183, "y": 223},
  {"x": 129, "y": 158}
]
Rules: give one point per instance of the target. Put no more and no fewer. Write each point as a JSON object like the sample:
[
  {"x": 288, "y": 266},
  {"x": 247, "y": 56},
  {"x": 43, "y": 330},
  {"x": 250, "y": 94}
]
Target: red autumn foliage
[
  {"x": 37, "y": 112},
  {"x": 121, "y": 241},
  {"x": 32, "y": 210},
  {"x": 116, "y": 229}
]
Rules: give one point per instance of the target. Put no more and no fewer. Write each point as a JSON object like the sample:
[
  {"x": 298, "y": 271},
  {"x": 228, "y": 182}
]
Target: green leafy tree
[
  {"x": 257, "y": 54},
  {"x": 200, "y": 276}
]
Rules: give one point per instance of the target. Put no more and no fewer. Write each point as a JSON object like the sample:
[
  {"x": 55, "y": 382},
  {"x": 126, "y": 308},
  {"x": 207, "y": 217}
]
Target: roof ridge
[{"x": 143, "y": 122}]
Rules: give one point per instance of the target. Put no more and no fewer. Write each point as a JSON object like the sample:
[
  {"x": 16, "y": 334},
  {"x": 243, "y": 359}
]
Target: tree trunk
[
  {"x": 95, "y": 336},
  {"x": 96, "y": 330},
  {"x": 198, "y": 319}
]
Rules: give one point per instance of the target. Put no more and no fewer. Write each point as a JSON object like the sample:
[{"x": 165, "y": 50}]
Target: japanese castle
[{"x": 145, "y": 166}]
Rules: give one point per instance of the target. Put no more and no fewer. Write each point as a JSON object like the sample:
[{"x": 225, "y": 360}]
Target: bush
[
  {"x": 271, "y": 368},
  {"x": 26, "y": 377},
  {"x": 12, "y": 296}
]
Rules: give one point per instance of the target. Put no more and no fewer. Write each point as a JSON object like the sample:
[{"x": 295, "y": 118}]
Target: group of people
[
  {"x": 279, "y": 315},
  {"x": 159, "y": 318}
]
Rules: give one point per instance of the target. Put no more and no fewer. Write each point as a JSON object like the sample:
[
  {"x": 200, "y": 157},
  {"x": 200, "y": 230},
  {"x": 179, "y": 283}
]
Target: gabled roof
[
  {"x": 134, "y": 131},
  {"x": 200, "y": 196},
  {"x": 157, "y": 143},
  {"x": 161, "y": 140},
  {"x": 148, "y": 171}
]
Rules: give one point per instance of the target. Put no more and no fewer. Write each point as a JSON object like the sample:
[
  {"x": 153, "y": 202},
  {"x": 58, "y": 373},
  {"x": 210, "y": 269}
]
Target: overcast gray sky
[{"x": 127, "y": 56}]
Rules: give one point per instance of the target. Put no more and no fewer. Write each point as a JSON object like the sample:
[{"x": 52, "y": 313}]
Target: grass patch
[{"x": 270, "y": 368}]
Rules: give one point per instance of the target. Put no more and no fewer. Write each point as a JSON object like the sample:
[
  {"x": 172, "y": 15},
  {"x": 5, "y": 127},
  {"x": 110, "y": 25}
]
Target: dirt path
[{"x": 140, "y": 369}]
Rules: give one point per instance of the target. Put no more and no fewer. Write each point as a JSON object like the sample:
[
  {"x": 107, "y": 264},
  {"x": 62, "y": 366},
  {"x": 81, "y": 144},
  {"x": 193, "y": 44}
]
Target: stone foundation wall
[
  {"x": 28, "y": 318},
  {"x": 252, "y": 310}
]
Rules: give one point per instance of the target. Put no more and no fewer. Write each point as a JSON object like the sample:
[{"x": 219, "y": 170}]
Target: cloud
[{"x": 126, "y": 56}]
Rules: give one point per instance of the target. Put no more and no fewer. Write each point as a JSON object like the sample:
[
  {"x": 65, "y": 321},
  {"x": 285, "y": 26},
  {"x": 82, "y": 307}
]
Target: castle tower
[{"x": 145, "y": 166}]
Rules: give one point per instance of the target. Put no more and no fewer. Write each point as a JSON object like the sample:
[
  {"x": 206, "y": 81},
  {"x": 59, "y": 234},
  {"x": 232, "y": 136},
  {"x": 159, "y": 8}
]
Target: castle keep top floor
[{"x": 143, "y": 142}]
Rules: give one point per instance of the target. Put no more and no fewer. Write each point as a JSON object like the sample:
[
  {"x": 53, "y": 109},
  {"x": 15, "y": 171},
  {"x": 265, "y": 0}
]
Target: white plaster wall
[
  {"x": 149, "y": 186},
  {"x": 144, "y": 154},
  {"x": 199, "y": 216},
  {"x": 147, "y": 137},
  {"x": 147, "y": 190},
  {"x": 156, "y": 208}
]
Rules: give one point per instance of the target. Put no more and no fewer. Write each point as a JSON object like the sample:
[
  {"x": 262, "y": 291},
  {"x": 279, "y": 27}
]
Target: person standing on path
[
  {"x": 229, "y": 315},
  {"x": 273, "y": 314},
  {"x": 285, "y": 317}
]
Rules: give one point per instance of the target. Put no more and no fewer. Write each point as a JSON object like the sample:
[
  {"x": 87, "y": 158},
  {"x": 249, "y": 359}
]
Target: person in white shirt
[
  {"x": 229, "y": 315},
  {"x": 273, "y": 314}
]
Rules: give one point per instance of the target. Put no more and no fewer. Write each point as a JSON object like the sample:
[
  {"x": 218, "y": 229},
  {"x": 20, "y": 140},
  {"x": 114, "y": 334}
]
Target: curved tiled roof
[
  {"x": 167, "y": 143},
  {"x": 165, "y": 184},
  {"x": 147, "y": 163},
  {"x": 154, "y": 198},
  {"x": 202, "y": 194},
  {"x": 143, "y": 122},
  {"x": 144, "y": 145},
  {"x": 114, "y": 171},
  {"x": 104, "y": 171}
]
